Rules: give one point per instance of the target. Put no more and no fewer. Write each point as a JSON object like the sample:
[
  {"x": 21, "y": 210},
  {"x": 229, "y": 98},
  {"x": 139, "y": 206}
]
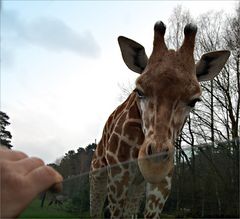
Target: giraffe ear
[
  {"x": 211, "y": 64},
  {"x": 133, "y": 54}
]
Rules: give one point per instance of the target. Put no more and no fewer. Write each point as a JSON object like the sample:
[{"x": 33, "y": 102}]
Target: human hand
[{"x": 22, "y": 178}]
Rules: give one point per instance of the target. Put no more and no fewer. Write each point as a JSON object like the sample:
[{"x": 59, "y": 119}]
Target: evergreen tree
[{"x": 5, "y": 136}]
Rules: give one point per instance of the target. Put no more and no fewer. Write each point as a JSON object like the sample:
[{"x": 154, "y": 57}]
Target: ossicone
[
  {"x": 159, "y": 46},
  {"x": 190, "y": 32}
]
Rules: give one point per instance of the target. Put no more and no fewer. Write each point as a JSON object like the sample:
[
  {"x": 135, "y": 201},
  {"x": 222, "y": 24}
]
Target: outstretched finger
[
  {"x": 11, "y": 155},
  {"x": 42, "y": 178},
  {"x": 28, "y": 164}
]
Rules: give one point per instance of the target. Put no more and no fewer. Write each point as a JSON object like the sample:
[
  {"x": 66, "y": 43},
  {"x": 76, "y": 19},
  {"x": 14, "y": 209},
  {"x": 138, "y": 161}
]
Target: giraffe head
[{"x": 167, "y": 90}]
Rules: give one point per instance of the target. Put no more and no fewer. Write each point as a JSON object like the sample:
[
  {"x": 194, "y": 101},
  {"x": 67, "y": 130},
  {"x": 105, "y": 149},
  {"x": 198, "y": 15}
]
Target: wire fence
[{"x": 205, "y": 184}]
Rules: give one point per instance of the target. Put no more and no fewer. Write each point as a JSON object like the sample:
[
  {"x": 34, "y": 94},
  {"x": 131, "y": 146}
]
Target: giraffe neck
[{"x": 123, "y": 132}]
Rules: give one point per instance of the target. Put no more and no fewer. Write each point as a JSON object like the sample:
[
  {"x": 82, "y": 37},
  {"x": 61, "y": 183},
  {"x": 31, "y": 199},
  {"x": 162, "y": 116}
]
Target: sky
[{"x": 62, "y": 70}]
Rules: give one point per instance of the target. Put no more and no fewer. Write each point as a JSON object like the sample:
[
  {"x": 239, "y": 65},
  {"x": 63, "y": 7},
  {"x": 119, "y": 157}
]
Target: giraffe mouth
[
  {"x": 154, "y": 172},
  {"x": 155, "y": 166},
  {"x": 160, "y": 157}
]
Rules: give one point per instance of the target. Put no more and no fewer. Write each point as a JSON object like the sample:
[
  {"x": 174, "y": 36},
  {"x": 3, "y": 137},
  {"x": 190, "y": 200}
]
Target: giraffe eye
[
  {"x": 139, "y": 93},
  {"x": 193, "y": 102}
]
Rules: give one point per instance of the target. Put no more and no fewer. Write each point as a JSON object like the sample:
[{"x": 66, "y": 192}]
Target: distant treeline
[
  {"x": 205, "y": 186},
  {"x": 74, "y": 163}
]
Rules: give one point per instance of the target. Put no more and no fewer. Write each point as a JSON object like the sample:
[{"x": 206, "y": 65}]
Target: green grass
[
  {"x": 35, "y": 211},
  {"x": 167, "y": 216}
]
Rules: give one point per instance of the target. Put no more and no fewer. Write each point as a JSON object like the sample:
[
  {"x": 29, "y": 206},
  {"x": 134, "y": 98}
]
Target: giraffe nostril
[
  {"x": 166, "y": 150},
  {"x": 162, "y": 155},
  {"x": 165, "y": 153},
  {"x": 149, "y": 150}
]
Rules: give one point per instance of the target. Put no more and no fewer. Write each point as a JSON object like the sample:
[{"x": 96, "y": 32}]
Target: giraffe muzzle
[{"x": 155, "y": 161}]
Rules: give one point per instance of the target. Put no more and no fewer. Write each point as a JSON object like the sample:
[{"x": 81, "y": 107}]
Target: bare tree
[
  {"x": 216, "y": 118},
  {"x": 179, "y": 18}
]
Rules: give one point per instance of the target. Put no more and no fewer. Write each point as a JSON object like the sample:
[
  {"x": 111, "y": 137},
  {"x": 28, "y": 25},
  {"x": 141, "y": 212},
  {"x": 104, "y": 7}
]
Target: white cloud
[{"x": 50, "y": 33}]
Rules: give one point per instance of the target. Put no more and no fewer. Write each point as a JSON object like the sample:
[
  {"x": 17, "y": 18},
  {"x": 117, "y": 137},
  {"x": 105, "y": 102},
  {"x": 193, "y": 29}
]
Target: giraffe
[{"x": 144, "y": 127}]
